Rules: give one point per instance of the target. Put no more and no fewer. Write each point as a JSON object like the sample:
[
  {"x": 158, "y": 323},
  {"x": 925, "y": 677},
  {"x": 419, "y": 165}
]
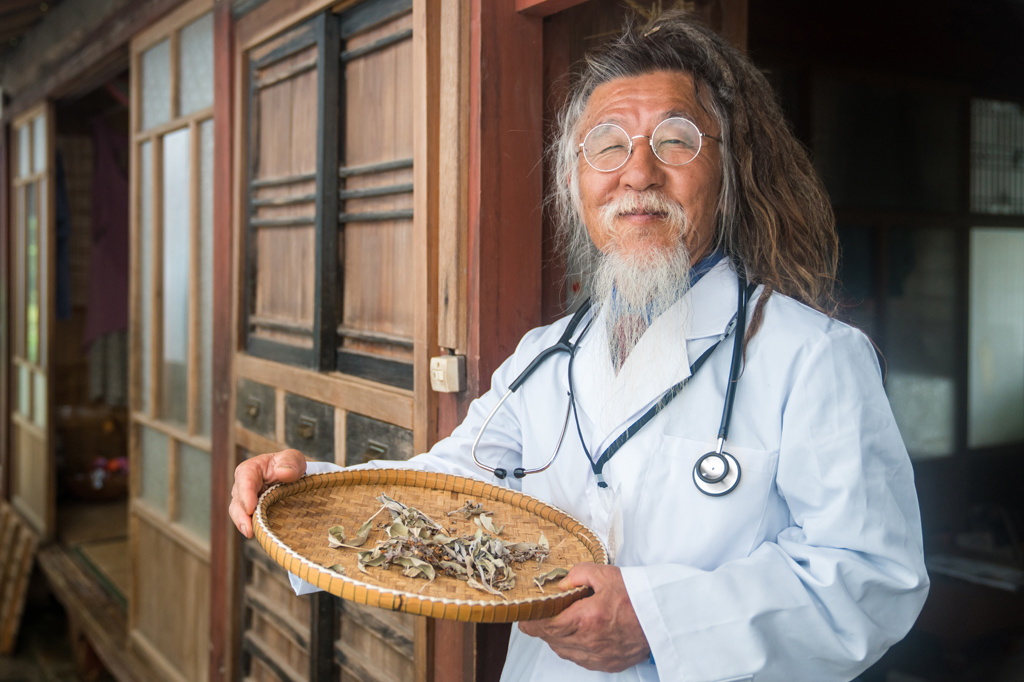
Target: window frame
[{"x": 329, "y": 32}]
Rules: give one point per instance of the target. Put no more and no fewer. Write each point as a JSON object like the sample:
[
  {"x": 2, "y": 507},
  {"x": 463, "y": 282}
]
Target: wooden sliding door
[
  {"x": 334, "y": 286},
  {"x": 171, "y": 341},
  {"x": 32, "y": 242}
]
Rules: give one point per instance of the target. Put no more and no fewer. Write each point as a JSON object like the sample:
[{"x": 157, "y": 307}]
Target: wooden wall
[
  {"x": 170, "y": 594},
  {"x": 380, "y": 259}
]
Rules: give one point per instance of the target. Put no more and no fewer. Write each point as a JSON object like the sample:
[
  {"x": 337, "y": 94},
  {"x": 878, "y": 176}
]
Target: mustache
[{"x": 650, "y": 201}]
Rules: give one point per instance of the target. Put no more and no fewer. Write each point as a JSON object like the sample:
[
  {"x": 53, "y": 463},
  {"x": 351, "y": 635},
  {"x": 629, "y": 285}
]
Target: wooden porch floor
[{"x": 94, "y": 612}]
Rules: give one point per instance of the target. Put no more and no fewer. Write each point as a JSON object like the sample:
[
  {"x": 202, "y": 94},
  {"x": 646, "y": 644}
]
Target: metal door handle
[
  {"x": 374, "y": 450},
  {"x": 306, "y": 428},
  {"x": 252, "y": 408}
]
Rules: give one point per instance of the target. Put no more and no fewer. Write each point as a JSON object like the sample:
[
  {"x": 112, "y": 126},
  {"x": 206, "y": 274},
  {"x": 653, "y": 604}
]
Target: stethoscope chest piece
[{"x": 716, "y": 473}]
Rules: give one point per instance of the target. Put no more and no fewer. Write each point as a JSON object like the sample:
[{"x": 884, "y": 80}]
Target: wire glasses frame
[{"x": 679, "y": 139}]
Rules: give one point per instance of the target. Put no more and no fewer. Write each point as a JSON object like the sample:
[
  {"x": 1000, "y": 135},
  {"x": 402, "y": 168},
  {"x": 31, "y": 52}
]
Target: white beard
[{"x": 646, "y": 282}]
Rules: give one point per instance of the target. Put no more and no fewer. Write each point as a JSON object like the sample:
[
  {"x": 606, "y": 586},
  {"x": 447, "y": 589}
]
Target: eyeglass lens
[{"x": 676, "y": 141}]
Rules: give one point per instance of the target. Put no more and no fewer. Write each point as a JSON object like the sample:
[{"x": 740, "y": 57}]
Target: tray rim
[{"x": 535, "y": 607}]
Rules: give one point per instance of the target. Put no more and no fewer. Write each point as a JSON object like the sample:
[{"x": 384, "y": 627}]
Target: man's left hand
[{"x": 600, "y": 632}]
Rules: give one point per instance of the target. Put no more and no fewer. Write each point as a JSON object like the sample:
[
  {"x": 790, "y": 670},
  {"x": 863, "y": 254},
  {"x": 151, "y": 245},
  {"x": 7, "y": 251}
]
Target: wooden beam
[
  {"x": 544, "y": 8},
  {"x": 427, "y": 93},
  {"x": 224, "y": 592},
  {"x": 8, "y": 7},
  {"x": 61, "y": 74},
  {"x": 427, "y": 89},
  {"x": 452, "y": 177}
]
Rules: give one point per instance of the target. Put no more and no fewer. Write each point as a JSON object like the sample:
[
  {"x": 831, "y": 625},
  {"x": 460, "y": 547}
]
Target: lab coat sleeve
[{"x": 838, "y": 586}]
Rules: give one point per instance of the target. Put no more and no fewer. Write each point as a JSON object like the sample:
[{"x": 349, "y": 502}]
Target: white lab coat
[{"x": 809, "y": 570}]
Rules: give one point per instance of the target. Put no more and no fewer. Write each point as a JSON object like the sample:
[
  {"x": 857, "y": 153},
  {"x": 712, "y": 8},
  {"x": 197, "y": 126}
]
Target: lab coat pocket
[{"x": 681, "y": 524}]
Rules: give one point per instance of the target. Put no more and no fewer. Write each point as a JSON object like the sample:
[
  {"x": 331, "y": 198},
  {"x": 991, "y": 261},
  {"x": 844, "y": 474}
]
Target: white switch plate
[{"x": 448, "y": 373}]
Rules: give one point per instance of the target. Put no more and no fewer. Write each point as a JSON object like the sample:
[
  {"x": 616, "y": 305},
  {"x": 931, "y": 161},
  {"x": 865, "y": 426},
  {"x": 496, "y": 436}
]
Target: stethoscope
[{"x": 716, "y": 473}]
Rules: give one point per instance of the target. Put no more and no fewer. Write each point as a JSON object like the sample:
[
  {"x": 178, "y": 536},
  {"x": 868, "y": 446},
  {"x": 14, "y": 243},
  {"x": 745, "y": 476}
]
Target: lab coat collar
[{"x": 659, "y": 361}]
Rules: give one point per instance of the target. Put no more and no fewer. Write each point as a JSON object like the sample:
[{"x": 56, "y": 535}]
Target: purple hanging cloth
[{"x": 108, "y": 269}]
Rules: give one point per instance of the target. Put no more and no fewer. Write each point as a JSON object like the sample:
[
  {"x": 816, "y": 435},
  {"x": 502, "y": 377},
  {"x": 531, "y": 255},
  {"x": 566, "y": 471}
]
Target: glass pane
[
  {"x": 24, "y": 391},
  {"x": 920, "y": 339},
  {"x": 194, "y": 490},
  {"x": 145, "y": 283},
  {"x": 195, "y": 60},
  {"x": 154, "y": 447},
  {"x": 39, "y": 397},
  {"x": 39, "y": 144},
  {"x": 176, "y": 264},
  {"x": 18, "y": 267},
  {"x": 24, "y": 151},
  {"x": 44, "y": 264},
  {"x": 205, "y": 275},
  {"x": 996, "y": 339},
  {"x": 32, "y": 273},
  {"x": 997, "y": 174},
  {"x": 156, "y": 84}
]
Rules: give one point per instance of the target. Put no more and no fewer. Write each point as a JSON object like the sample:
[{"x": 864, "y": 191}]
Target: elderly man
[{"x": 794, "y": 553}]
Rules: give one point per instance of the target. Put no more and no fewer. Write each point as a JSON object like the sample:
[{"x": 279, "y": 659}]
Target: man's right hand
[{"x": 255, "y": 475}]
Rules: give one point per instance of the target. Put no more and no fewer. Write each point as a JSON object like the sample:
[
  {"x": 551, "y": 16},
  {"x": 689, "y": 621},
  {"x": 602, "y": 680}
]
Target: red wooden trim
[
  {"x": 544, "y": 8},
  {"x": 222, "y": 583},
  {"x": 454, "y": 646},
  {"x": 557, "y": 61}
]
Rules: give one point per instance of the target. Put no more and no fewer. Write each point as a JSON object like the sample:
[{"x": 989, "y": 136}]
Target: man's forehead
[
  {"x": 658, "y": 95},
  {"x": 675, "y": 112}
]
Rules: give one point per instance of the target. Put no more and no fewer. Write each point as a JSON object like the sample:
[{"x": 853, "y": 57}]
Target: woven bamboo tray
[{"x": 291, "y": 522}]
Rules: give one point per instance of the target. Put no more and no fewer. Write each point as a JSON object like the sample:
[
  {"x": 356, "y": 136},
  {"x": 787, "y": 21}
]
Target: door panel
[
  {"x": 328, "y": 303},
  {"x": 32, "y": 466},
  {"x": 172, "y": 244}
]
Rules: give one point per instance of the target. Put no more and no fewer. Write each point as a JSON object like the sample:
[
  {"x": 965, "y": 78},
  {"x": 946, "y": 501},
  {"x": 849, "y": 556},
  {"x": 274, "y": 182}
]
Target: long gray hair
[{"x": 773, "y": 217}]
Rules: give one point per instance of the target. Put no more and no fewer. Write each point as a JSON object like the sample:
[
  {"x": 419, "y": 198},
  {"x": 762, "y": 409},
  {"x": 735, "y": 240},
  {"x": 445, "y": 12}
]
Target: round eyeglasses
[{"x": 676, "y": 142}]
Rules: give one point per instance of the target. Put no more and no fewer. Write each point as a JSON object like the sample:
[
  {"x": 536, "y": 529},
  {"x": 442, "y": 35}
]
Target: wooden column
[
  {"x": 224, "y": 586},
  {"x": 504, "y": 249}
]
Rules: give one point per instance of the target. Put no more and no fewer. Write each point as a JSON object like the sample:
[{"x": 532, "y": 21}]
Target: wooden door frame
[
  {"x": 222, "y": 568},
  {"x": 46, "y": 322}
]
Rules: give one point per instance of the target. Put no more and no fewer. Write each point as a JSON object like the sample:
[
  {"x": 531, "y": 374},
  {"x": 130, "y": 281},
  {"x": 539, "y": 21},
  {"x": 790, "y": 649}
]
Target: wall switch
[{"x": 448, "y": 373}]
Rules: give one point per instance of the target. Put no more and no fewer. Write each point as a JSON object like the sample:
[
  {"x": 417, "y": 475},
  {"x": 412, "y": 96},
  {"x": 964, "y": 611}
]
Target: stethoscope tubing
[
  {"x": 734, "y": 367},
  {"x": 562, "y": 345},
  {"x": 737, "y": 325}
]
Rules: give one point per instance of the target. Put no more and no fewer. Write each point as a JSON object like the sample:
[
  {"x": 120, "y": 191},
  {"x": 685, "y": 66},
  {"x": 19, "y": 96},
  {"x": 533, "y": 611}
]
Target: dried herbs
[
  {"x": 550, "y": 576},
  {"x": 424, "y": 549}
]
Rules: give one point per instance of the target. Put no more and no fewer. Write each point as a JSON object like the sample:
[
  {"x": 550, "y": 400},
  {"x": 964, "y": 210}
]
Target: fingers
[
  {"x": 580, "y": 575},
  {"x": 600, "y": 632},
  {"x": 253, "y": 476},
  {"x": 240, "y": 519}
]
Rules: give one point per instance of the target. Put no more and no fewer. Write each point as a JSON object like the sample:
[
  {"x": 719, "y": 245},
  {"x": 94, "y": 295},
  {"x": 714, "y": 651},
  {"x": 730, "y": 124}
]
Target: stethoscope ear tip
[{"x": 500, "y": 474}]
